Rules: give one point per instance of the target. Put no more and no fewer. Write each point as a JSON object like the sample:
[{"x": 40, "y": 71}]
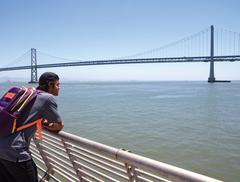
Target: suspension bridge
[{"x": 208, "y": 45}]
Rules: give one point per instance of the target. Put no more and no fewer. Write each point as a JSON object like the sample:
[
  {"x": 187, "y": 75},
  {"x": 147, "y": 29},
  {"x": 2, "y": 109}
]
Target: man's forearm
[{"x": 56, "y": 127}]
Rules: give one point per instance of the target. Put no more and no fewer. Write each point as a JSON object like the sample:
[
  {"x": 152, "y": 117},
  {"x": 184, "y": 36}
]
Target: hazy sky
[{"x": 99, "y": 29}]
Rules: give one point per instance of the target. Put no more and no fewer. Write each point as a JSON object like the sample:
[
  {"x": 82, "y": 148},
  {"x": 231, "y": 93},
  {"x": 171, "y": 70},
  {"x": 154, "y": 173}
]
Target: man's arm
[{"x": 52, "y": 119}]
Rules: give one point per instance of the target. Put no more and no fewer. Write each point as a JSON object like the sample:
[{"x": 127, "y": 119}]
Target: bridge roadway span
[{"x": 132, "y": 61}]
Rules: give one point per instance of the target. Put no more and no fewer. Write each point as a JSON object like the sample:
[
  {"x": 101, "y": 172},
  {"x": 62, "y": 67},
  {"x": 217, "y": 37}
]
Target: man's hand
[{"x": 55, "y": 127}]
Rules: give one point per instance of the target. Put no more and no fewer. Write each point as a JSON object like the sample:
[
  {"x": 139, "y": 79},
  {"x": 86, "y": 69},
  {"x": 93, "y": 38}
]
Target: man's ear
[{"x": 50, "y": 84}]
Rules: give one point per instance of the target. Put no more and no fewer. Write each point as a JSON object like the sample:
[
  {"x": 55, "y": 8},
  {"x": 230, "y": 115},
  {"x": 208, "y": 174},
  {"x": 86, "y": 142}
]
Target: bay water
[{"x": 193, "y": 125}]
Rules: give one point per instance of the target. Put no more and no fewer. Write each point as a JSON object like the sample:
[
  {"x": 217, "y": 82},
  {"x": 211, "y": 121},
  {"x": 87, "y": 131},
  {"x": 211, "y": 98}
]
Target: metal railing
[{"x": 67, "y": 157}]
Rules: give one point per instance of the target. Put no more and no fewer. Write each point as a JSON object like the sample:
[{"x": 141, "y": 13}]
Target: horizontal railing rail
[{"x": 66, "y": 157}]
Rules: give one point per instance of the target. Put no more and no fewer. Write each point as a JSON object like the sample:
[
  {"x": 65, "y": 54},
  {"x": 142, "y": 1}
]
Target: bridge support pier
[
  {"x": 211, "y": 78},
  {"x": 34, "y": 78}
]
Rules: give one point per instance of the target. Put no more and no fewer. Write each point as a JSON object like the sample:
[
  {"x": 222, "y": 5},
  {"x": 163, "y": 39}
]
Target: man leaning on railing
[{"x": 16, "y": 163}]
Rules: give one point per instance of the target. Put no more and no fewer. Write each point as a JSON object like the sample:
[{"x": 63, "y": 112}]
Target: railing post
[
  {"x": 131, "y": 173},
  {"x": 132, "y": 176},
  {"x": 47, "y": 163},
  {"x": 72, "y": 161}
]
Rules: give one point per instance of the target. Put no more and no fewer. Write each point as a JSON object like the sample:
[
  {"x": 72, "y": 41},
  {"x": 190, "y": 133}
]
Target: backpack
[{"x": 13, "y": 106}]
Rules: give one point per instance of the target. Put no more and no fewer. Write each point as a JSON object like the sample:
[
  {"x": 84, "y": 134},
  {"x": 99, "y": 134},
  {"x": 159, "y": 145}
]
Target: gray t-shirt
[{"x": 15, "y": 147}]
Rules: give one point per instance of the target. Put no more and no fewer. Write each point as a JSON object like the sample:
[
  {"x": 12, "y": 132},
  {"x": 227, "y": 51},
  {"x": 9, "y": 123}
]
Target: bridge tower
[
  {"x": 34, "y": 78},
  {"x": 211, "y": 78}
]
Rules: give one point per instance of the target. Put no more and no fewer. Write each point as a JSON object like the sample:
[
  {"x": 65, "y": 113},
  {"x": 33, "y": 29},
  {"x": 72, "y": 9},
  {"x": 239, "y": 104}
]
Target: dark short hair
[{"x": 45, "y": 78}]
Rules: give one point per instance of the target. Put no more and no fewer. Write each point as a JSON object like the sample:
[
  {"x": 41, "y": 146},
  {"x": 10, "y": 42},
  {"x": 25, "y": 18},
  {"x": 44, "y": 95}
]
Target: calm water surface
[{"x": 193, "y": 125}]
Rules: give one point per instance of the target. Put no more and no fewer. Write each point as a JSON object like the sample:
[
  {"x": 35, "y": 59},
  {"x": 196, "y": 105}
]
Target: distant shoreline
[{"x": 118, "y": 81}]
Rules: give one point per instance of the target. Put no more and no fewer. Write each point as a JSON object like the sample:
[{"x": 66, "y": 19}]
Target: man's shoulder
[{"x": 45, "y": 97}]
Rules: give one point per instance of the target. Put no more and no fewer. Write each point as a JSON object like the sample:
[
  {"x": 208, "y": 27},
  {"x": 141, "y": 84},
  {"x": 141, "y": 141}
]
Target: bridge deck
[{"x": 131, "y": 61}]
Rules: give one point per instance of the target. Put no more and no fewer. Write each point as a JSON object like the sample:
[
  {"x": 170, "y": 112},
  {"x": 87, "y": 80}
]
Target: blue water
[{"x": 193, "y": 125}]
